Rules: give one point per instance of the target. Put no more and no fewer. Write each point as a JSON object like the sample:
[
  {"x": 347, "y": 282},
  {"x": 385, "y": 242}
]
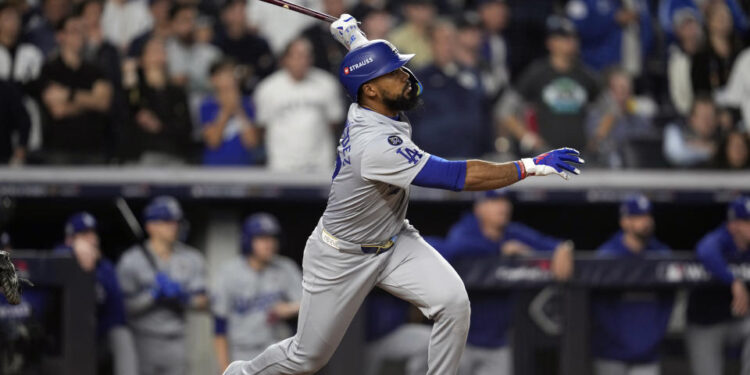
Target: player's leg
[
  {"x": 645, "y": 369},
  {"x": 607, "y": 367},
  {"x": 408, "y": 342},
  {"x": 495, "y": 361},
  {"x": 705, "y": 348},
  {"x": 334, "y": 286},
  {"x": 740, "y": 335},
  {"x": 417, "y": 273},
  {"x": 469, "y": 361},
  {"x": 161, "y": 355}
]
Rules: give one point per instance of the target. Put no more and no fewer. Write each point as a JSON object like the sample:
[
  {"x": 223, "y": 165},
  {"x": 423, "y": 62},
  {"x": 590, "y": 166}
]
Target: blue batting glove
[{"x": 558, "y": 161}]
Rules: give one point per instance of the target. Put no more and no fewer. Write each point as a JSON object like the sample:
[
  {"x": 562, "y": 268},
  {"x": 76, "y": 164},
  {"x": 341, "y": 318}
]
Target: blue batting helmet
[
  {"x": 636, "y": 204},
  {"x": 260, "y": 224},
  {"x": 163, "y": 208},
  {"x": 372, "y": 60},
  {"x": 80, "y": 222},
  {"x": 739, "y": 209}
]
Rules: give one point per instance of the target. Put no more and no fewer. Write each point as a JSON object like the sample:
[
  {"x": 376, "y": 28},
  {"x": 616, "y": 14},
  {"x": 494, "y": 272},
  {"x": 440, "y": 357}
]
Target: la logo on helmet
[{"x": 346, "y": 70}]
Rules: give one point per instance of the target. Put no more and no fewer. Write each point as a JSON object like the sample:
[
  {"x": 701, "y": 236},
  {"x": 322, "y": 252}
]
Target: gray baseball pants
[
  {"x": 706, "y": 344},
  {"x": 410, "y": 342},
  {"x": 161, "y": 355},
  {"x": 607, "y": 367},
  {"x": 335, "y": 282},
  {"x": 486, "y": 361}
]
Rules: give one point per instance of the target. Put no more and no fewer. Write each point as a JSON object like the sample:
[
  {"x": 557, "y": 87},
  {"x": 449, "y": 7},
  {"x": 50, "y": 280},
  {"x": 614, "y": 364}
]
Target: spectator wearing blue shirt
[
  {"x": 613, "y": 32},
  {"x": 115, "y": 340},
  {"x": 720, "y": 317},
  {"x": 489, "y": 232},
  {"x": 457, "y": 123},
  {"x": 229, "y": 134},
  {"x": 629, "y": 326}
]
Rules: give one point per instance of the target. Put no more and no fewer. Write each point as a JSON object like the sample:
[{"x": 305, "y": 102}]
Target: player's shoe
[
  {"x": 234, "y": 368},
  {"x": 8, "y": 279}
]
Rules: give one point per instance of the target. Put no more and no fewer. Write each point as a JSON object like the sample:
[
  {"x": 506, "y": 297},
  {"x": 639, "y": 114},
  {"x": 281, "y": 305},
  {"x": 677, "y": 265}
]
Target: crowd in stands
[{"x": 631, "y": 83}]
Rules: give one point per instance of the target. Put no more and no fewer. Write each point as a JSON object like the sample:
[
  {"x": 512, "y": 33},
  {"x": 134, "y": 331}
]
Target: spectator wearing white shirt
[
  {"x": 687, "y": 29},
  {"x": 123, "y": 20},
  {"x": 189, "y": 54},
  {"x": 693, "y": 145},
  {"x": 19, "y": 62},
  {"x": 279, "y": 26},
  {"x": 737, "y": 89},
  {"x": 299, "y": 107}
]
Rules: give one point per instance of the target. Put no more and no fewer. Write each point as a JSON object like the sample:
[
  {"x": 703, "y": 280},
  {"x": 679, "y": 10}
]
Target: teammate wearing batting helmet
[
  {"x": 161, "y": 279},
  {"x": 363, "y": 239},
  {"x": 721, "y": 316},
  {"x": 255, "y": 293}
]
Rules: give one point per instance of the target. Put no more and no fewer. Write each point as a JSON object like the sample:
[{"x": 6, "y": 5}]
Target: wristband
[{"x": 520, "y": 169}]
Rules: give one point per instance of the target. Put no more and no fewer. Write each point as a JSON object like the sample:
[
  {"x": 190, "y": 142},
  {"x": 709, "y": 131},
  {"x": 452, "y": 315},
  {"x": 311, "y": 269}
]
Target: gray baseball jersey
[
  {"x": 137, "y": 278},
  {"x": 243, "y": 296},
  {"x": 375, "y": 165}
]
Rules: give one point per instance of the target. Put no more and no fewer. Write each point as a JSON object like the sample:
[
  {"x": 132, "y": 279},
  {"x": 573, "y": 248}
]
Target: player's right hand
[
  {"x": 557, "y": 162},
  {"x": 740, "y": 299},
  {"x": 166, "y": 288},
  {"x": 346, "y": 31}
]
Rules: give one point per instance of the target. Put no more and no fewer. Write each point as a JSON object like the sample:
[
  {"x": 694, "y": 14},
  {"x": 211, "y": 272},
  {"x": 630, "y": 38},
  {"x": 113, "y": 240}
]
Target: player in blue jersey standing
[
  {"x": 363, "y": 239},
  {"x": 717, "y": 319},
  {"x": 629, "y": 326},
  {"x": 115, "y": 343},
  {"x": 489, "y": 232}
]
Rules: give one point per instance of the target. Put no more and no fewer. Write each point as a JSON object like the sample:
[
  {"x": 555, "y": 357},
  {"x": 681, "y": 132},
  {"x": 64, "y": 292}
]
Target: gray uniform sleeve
[
  {"x": 392, "y": 159},
  {"x": 197, "y": 283},
  {"x": 137, "y": 298},
  {"x": 293, "y": 288},
  {"x": 220, "y": 296}
]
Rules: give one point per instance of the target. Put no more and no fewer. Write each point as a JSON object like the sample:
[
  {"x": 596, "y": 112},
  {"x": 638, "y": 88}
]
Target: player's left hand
[
  {"x": 557, "y": 162},
  {"x": 346, "y": 31}
]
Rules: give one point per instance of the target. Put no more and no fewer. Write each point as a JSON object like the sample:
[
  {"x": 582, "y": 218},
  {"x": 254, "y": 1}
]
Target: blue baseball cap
[
  {"x": 163, "y": 208},
  {"x": 492, "y": 194},
  {"x": 80, "y": 222},
  {"x": 259, "y": 224},
  {"x": 739, "y": 209},
  {"x": 636, "y": 204}
]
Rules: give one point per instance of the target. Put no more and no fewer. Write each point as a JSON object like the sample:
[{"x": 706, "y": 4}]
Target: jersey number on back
[{"x": 411, "y": 155}]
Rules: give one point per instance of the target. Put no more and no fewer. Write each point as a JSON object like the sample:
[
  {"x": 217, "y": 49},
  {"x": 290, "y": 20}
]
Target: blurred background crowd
[{"x": 631, "y": 83}]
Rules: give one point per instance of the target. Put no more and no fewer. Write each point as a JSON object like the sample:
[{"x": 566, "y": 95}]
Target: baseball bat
[
  {"x": 300, "y": 9},
  {"x": 136, "y": 229},
  {"x": 140, "y": 237}
]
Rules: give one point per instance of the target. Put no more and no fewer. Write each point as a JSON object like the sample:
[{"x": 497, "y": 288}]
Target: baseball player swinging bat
[{"x": 363, "y": 239}]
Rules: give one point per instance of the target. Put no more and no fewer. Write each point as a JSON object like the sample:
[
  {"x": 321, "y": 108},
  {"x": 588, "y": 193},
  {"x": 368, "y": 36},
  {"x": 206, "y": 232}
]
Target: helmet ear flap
[{"x": 414, "y": 81}]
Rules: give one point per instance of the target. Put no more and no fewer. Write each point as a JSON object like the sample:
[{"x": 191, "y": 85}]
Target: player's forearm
[
  {"x": 139, "y": 303},
  {"x": 483, "y": 175},
  {"x": 221, "y": 346}
]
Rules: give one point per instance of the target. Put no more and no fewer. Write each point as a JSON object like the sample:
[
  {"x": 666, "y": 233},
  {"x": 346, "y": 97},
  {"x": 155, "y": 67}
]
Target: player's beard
[
  {"x": 404, "y": 102},
  {"x": 644, "y": 234}
]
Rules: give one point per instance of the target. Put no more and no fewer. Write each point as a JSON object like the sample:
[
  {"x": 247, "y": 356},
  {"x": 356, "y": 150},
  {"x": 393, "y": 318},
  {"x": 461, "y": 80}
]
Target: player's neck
[
  {"x": 492, "y": 232},
  {"x": 379, "y": 108},
  {"x": 162, "y": 249},
  {"x": 634, "y": 243},
  {"x": 256, "y": 264}
]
